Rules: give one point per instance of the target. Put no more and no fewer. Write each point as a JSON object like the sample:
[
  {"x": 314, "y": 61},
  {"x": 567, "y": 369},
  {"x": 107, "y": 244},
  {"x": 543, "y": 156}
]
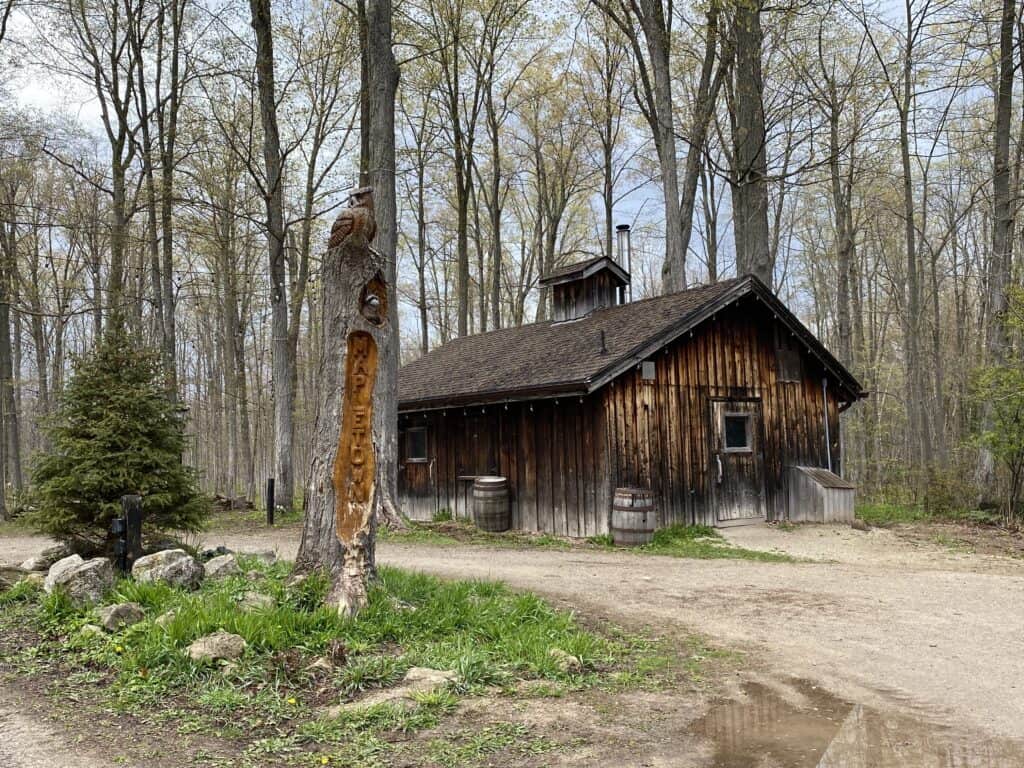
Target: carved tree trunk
[{"x": 351, "y": 422}]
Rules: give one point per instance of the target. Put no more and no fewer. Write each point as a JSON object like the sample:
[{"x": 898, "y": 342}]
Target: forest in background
[{"x": 864, "y": 160}]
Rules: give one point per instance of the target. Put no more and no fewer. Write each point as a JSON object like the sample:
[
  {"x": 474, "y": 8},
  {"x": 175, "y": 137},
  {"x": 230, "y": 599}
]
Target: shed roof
[
  {"x": 585, "y": 269},
  {"x": 548, "y": 359}
]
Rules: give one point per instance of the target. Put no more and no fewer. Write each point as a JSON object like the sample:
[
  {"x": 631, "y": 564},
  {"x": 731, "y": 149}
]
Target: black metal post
[
  {"x": 118, "y": 528},
  {"x": 270, "y": 501}
]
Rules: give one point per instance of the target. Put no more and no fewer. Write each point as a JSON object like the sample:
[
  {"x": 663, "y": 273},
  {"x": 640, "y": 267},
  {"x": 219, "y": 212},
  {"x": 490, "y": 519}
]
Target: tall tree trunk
[
  {"x": 1001, "y": 259},
  {"x": 383, "y": 85},
  {"x": 273, "y": 194},
  {"x": 703, "y": 110},
  {"x": 844, "y": 235},
  {"x": 750, "y": 185},
  {"x": 656, "y": 32},
  {"x": 916, "y": 412}
]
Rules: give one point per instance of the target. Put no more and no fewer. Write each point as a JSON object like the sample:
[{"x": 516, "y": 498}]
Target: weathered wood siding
[
  {"x": 660, "y": 430},
  {"x": 564, "y": 458},
  {"x": 552, "y": 452}
]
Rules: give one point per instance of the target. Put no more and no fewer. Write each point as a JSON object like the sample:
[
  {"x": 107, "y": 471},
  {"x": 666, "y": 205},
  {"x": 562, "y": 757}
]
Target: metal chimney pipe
[{"x": 625, "y": 252}]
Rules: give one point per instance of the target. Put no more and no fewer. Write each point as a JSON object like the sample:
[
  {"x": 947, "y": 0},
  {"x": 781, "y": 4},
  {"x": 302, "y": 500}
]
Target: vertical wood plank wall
[
  {"x": 660, "y": 430},
  {"x": 564, "y": 458},
  {"x": 554, "y": 454}
]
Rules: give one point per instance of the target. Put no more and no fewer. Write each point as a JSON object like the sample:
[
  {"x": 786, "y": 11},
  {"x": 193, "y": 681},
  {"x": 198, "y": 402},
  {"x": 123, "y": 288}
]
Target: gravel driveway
[{"x": 934, "y": 633}]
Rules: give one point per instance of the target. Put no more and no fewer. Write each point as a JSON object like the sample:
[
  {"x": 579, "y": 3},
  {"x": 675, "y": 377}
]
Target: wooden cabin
[{"x": 708, "y": 397}]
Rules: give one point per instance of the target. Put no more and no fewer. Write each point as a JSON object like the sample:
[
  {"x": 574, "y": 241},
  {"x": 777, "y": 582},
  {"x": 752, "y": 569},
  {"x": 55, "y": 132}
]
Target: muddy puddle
[{"x": 813, "y": 729}]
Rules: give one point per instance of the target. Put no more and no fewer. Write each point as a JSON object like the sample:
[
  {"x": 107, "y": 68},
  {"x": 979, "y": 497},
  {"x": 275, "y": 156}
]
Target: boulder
[
  {"x": 256, "y": 601},
  {"x": 35, "y": 563},
  {"x": 566, "y": 662},
  {"x": 84, "y": 582},
  {"x": 219, "y": 645},
  {"x": 416, "y": 680},
  {"x": 173, "y": 566},
  {"x": 209, "y": 554},
  {"x": 46, "y": 558},
  {"x": 265, "y": 556},
  {"x": 57, "y": 570},
  {"x": 113, "y": 617},
  {"x": 90, "y": 630},
  {"x": 11, "y": 575},
  {"x": 221, "y": 566}
]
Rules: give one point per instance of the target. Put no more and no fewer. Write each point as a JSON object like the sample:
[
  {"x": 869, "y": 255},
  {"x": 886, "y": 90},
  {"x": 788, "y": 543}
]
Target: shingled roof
[
  {"x": 581, "y": 268},
  {"x": 549, "y": 358}
]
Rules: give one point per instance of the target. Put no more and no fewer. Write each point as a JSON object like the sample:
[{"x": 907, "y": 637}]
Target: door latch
[{"x": 718, "y": 458}]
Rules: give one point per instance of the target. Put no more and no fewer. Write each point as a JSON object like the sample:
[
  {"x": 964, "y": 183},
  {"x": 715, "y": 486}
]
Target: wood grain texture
[
  {"x": 355, "y": 462},
  {"x": 565, "y": 458}
]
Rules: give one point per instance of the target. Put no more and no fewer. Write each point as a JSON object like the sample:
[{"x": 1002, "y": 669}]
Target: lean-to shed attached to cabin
[{"x": 707, "y": 397}]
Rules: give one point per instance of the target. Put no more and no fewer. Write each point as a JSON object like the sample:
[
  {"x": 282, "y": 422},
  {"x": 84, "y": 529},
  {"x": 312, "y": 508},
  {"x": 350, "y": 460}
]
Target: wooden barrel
[
  {"x": 633, "y": 517},
  {"x": 491, "y": 510}
]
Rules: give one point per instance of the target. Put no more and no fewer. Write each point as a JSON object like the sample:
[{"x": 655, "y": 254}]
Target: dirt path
[
  {"x": 28, "y": 741},
  {"x": 933, "y": 633}
]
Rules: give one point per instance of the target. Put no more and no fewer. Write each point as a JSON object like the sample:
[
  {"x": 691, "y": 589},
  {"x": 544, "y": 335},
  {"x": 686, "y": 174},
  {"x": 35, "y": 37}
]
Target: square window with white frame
[
  {"x": 736, "y": 436},
  {"x": 416, "y": 445}
]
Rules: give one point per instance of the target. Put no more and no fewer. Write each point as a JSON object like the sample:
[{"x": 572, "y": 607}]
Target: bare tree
[{"x": 273, "y": 195}]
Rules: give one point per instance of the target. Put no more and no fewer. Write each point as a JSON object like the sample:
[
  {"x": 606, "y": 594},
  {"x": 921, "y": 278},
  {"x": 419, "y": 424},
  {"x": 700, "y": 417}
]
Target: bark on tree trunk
[
  {"x": 652, "y": 18},
  {"x": 273, "y": 193},
  {"x": 352, "y": 422},
  {"x": 750, "y": 187},
  {"x": 703, "y": 109},
  {"x": 382, "y": 79},
  {"x": 1001, "y": 260}
]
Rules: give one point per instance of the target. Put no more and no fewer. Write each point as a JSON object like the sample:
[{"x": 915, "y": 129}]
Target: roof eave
[
  {"x": 748, "y": 285},
  {"x": 496, "y": 397}
]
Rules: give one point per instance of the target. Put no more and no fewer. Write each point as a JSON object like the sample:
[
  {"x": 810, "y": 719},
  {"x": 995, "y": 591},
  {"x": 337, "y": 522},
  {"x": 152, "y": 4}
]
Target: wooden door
[{"x": 737, "y": 462}]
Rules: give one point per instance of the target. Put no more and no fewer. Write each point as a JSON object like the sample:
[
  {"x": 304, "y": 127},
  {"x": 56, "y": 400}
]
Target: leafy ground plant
[{"x": 269, "y": 705}]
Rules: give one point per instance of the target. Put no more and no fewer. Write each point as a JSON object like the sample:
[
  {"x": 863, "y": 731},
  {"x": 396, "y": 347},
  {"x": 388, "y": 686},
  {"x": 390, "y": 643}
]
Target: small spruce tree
[{"x": 115, "y": 433}]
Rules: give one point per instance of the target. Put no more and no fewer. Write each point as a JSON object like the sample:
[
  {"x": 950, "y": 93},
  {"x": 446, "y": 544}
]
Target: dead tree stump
[{"x": 343, "y": 486}]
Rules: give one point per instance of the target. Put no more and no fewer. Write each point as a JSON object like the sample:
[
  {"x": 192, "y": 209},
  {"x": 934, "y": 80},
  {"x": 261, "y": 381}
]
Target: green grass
[
  {"x": 444, "y": 531},
  {"x": 19, "y": 526},
  {"x": 700, "y": 542},
  {"x": 695, "y": 541},
  {"x": 884, "y": 514},
  {"x": 704, "y": 543},
  {"x": 230, "y": 520},
  {"x": 486, "y": 633},
  {"x": 473, "y": 747}
]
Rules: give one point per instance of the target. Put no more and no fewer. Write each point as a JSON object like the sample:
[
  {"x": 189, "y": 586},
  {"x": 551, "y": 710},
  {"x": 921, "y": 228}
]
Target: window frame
[
  {"x": 409, "y": 458},
  {"x": 748, "y": 446}
]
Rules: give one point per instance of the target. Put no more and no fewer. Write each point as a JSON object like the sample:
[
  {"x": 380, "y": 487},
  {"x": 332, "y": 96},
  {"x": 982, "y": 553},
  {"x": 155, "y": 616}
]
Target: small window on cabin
[
  {"x": 736, "y": 432},
  {"x": 416, "y": 444},
  {"x": 788, "y": 362}
]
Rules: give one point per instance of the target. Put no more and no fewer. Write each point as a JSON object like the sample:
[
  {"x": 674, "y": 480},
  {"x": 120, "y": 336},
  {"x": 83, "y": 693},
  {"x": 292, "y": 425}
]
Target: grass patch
[
  {"x": 444, "y": 531},
  {"x": 474, "y": 747},
  {"x": 696, "y": 541},
  {"x": 269, "y": 703},
  {"x": 884, "y": 514},
  {"x": 18, "y": 526},
  {"x": 700, "y": 542},
  {"x": 247, "y": 519}
]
